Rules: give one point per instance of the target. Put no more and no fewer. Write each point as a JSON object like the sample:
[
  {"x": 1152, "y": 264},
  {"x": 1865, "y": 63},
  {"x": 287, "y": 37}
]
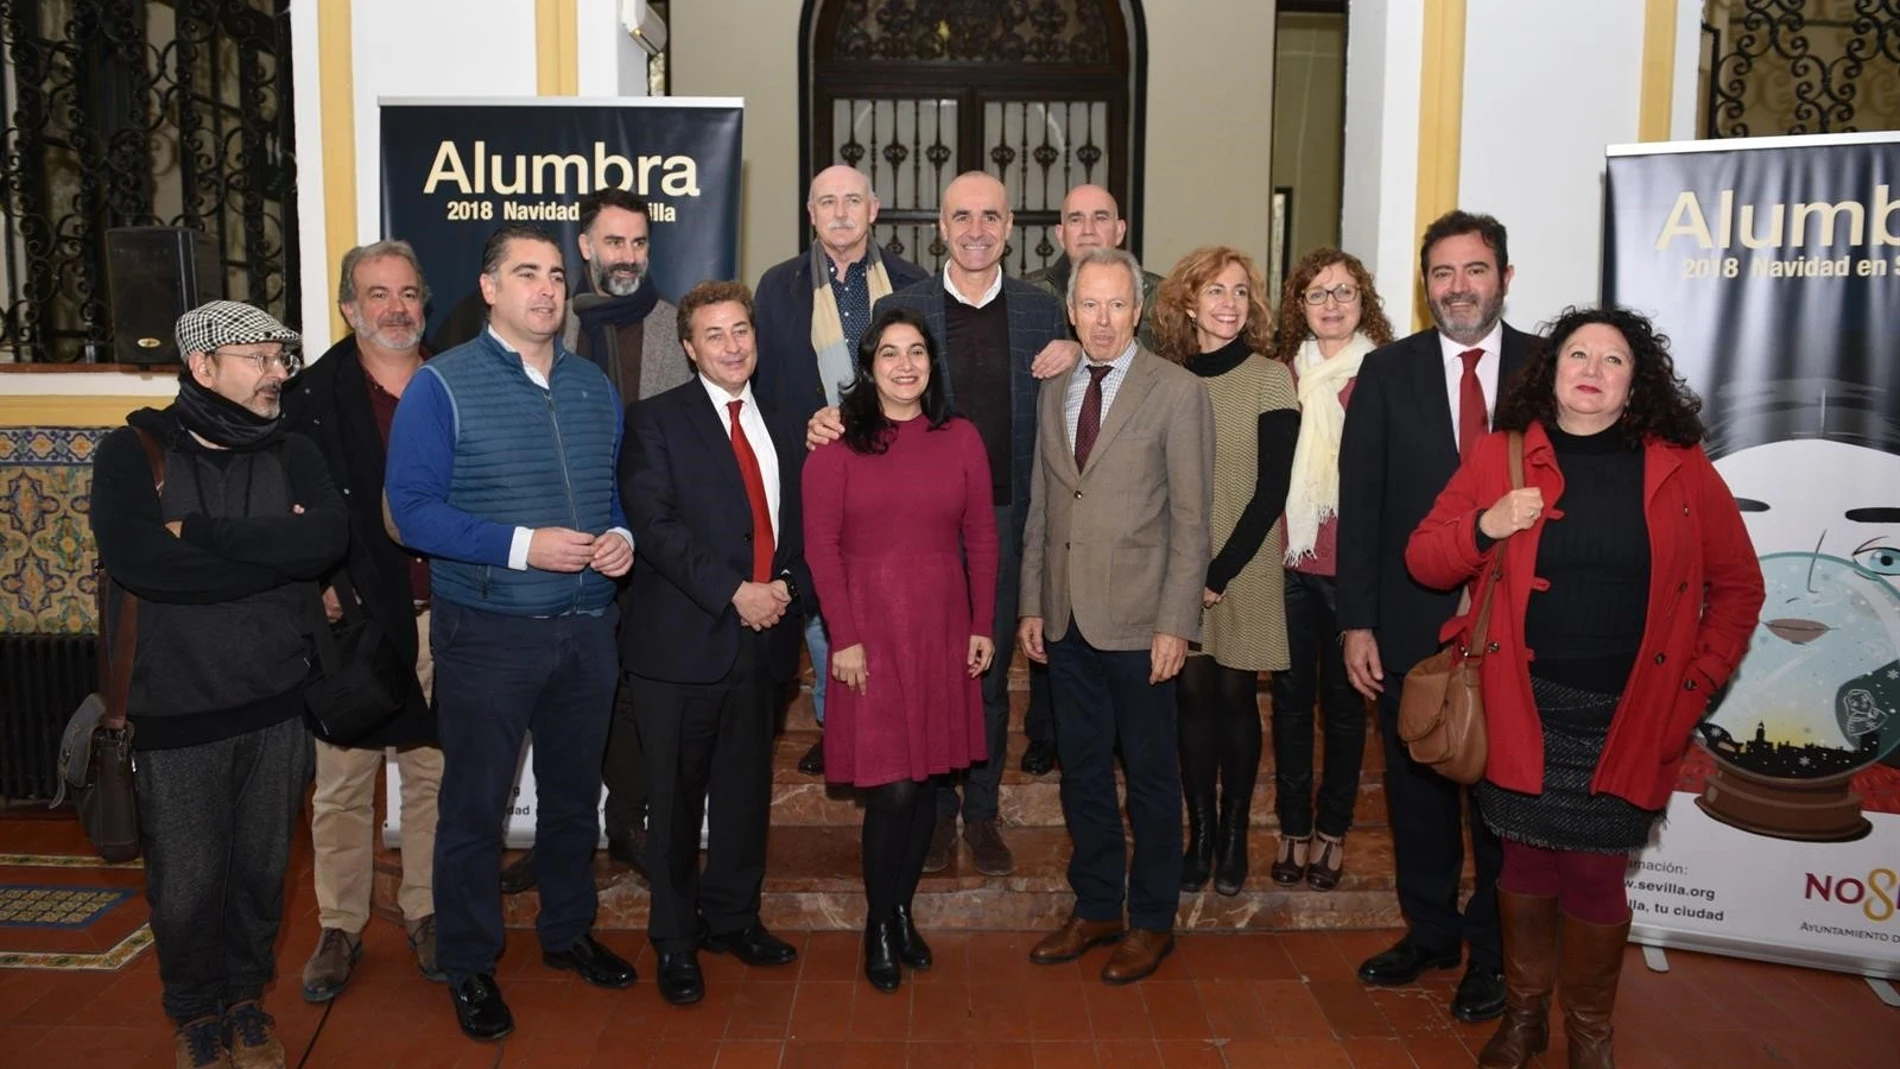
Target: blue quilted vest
[{"x": 528, "y": 457}]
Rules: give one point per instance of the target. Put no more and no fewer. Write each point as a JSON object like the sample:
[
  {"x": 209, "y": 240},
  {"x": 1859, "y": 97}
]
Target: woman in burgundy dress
[{"x": 900, "y": 535}]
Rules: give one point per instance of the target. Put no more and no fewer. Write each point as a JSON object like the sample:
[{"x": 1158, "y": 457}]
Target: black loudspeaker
[{"x": 156, "y": 274}]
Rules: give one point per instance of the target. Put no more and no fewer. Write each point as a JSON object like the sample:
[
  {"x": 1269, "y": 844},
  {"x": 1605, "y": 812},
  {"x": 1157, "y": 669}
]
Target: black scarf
[
  {"x": 221, "y": 421},
  {"x": 613, "y": 314}
]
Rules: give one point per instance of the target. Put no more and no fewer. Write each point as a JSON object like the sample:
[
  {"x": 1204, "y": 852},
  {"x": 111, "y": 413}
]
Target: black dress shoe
[
  {"x": 1040, "y": 758},
  {"x": 754, "y": 946},
  {"x": 519, "y": 876},
  {"x": 479, "y": 1009},
  {"x": 880, "y": 956},
  {"x": 681, "y": 982},
  {"x": 1405, "y": 962},
  {"x": 911, "y": 948},
  {"x": 813, "y": 763},
  {"x": 629, "y": 847},
  {"x": 1480, "y": 995},
  {"x": 593, "y": 962}
]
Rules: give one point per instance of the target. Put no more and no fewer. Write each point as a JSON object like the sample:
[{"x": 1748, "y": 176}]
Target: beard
[
  {"x": 1466, "y": 325},
  {"x": 618, "y": 280},
  {"x": 397, "y": 336}
]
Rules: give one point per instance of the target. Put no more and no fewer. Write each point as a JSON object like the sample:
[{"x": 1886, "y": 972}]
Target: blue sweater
[{"x": 479, "y": 450}]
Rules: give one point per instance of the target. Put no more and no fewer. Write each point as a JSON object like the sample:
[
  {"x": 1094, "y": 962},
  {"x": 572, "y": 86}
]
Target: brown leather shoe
[
  {"x": 254, "y": 1044},
  {"x": 943, "y": 841},
  {"x": 199, "y": 1044},
  {"x": 987, "y": 850},
  {"x": 1138, "y": 956},
  {"x": 1074, "y": 939}
]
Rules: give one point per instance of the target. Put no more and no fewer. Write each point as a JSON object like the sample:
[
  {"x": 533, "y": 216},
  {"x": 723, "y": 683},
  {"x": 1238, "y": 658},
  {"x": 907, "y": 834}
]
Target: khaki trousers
[{"x": 343, "y": 816}]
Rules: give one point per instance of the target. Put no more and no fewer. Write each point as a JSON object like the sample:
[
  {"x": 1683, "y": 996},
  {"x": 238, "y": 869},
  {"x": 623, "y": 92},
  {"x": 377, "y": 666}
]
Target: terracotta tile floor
[{"x": 1221, "y": 1002}]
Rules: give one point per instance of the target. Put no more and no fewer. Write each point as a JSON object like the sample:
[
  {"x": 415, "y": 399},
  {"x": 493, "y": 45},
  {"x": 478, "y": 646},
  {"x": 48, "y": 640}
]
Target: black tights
[
  {"x": 898, "y": 820},
  {"x": 1219, "y": 710}
]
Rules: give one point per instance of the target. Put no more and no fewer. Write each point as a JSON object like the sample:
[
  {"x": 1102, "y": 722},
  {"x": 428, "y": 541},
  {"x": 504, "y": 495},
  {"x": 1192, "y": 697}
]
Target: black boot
[
  {"x": 1197, "y": 864},
  {"x": 880, "y": 955},
  {"x": 911, "y": 948},
  {"x": 1230, "y": 846}
]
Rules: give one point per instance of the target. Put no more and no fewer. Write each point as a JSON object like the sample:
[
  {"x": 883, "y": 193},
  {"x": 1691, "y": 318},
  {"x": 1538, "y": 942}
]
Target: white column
[{"x": 1384, "y": 39}]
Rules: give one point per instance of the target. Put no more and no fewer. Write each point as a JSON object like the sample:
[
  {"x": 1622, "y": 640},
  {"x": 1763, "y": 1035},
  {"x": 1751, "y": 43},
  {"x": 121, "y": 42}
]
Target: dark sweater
[
  {"x": 977, "y": 352},
  {"x": 1273, "y": 472}
]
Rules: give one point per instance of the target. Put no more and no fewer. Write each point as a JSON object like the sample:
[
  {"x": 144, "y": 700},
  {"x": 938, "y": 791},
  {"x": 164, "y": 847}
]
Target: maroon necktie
[
  {"x": 754, "y": 493},
  {"x": 1471, "y": 422},
  {"x": 1090, "y": 423}
]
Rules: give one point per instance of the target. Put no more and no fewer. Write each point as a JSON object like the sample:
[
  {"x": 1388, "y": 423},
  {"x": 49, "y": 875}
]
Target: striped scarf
[{"x": 837, "y": 364}]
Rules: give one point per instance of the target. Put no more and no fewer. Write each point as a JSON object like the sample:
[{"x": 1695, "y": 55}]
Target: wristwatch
[{"x": 791, "y": 584}]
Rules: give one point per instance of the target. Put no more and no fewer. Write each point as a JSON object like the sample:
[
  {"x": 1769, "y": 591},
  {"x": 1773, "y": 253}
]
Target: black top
[
  {"x": 1279, "y": 433},
  {"x": 1586, "y": 629},
  {"x": 977, "y": 348}
]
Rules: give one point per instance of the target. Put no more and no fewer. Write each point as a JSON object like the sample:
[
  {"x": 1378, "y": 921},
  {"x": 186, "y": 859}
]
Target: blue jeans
[{"x": 819, "y": 644}]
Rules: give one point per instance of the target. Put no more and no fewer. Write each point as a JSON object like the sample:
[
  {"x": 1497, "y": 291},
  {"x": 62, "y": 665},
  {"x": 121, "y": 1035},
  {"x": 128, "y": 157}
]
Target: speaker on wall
[{"x": 156, "y": 274}]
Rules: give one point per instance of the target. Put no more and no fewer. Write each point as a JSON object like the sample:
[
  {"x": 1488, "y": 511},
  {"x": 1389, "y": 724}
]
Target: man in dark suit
[
  {"x": 998, "y": 335},
  {"x": 712, "y": 478},
  {"x": 812, "y": 311},
  {"x": 1419, "y": 404}
]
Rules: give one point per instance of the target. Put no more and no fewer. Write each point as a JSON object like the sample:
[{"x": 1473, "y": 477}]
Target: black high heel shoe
[
  {"x": 1326, "y": 866},
  {"x": 880, "y": 956},
  {"x": 1289, "y": 867}
]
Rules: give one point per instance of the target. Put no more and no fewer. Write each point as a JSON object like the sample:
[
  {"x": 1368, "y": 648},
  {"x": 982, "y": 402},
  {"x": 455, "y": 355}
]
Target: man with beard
[
  {"x": 223, "y": 556},
  {"x": 1419, "y": 406},
  {"x": 810, "y": 313},
  {"x": 345, "y": 403}
]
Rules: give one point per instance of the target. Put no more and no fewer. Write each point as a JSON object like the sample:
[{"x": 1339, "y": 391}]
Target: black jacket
[
  {"x": 1397, "y": 452},
  {"x": 329, "y": 404},
  {"x": 692, "y": 534},
  {"x": 787, "y": 375}
]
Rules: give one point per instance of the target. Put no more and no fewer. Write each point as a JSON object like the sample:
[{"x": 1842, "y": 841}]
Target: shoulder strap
[
  {"x": 117, "y": 660},
  {"x": 1475, "y": 646}
]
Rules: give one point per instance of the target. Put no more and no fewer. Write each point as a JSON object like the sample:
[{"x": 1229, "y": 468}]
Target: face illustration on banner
[{"x": 1818, "y": 693}]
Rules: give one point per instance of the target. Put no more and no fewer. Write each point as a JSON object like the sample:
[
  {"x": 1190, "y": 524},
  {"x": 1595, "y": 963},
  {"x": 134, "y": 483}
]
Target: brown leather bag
[{"x": 1441, "y": 709}]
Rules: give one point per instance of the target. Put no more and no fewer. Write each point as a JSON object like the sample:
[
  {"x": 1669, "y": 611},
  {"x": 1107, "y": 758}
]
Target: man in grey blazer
[{"x": 1114, "y": 563}]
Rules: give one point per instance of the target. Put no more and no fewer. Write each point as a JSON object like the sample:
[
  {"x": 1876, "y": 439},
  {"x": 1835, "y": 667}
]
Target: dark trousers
[
  {"x": 1103, "y": 698},
  {"x": 625, "y": 769},
  {"x": 1317, "y": 677},
  {"x": 215, "y": 822},
  {"x": 707, "y": 745},
  {"x": 496, "y": 679},
  {"x": 981, "y": 783},
  {"x": 1428, "y": 814}
]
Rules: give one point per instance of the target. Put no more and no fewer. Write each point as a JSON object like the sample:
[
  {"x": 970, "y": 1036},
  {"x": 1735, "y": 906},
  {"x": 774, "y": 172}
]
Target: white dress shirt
[
  {"x": 760, "y": 439},
  {"x": 1079, "y": 389},
  {"x": 989, "y": 295},
  {"x": 1493, "y": 346}
]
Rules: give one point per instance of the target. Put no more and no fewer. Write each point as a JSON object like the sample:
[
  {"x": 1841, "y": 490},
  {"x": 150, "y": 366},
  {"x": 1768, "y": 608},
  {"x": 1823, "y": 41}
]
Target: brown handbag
[{"x": 1441, "y": 709}]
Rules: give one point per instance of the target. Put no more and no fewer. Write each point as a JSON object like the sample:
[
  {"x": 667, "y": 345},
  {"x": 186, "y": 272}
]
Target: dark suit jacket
[
  {"x": 329, "y": 404},
  {"x": 1035, "y": 320},
  {"x": 787, "y": 376},
  {"x": 1398, "y": 451},
  {"x": 692, "y": 535}
]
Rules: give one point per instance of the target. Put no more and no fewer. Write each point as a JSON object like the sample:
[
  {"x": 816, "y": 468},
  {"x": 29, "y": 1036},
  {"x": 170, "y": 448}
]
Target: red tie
[
  {"x": 1089, "y": 423},
  {"x": 754, "y": 493},
  {"x": 1472, "y": 424}
]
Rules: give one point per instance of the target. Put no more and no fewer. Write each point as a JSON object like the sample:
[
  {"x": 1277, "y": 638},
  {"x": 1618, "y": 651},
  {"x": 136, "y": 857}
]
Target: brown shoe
[
  {"x": 422, "y": 941},
  {"x": 1138, "y": 956},
  {"x": 1529, "y": 926},
  {"x": 328, "y": 970},
  {"x": 943, "y": 840},
  {"x": 1590, "y": 965},
  {"x": 1074, "y": 939},
  {"x": 253, "y": 1045},
  {"x": 199, "y": 1044},
  {"x": 987, "y": 849}
]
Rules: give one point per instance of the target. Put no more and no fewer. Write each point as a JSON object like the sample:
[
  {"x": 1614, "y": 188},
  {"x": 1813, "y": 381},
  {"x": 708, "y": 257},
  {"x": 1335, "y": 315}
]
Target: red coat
[{"x": 1690, "y": 644}]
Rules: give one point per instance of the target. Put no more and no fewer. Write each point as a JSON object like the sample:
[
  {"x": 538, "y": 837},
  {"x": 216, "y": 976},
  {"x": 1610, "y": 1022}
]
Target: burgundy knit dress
[{"x": 902, "y": 548}]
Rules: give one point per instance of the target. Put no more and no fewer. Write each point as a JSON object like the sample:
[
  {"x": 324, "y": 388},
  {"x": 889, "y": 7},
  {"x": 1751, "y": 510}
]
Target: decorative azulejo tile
[{"x": 46, "y": 550}]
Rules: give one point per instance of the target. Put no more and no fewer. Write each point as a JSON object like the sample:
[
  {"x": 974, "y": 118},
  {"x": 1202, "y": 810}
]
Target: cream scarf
[
  {"x": 1313, "y": 495},
  {"x": 838, "y": 366}
]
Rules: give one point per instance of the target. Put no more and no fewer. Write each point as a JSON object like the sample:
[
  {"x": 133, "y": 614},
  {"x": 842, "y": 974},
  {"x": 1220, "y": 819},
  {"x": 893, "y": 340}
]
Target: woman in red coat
[{"x": 1627, "y": 595}]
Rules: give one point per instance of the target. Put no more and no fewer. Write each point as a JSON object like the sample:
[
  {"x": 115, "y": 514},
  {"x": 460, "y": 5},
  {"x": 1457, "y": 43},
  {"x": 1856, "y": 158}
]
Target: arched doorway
[{"x": 1044, "y": 94}]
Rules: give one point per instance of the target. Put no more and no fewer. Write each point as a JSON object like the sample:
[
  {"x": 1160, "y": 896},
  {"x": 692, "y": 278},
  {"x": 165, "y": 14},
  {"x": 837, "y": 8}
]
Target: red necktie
[
  {"x": 1089, "y": 424},
  {"x": 1472, "y": 424},
  {"x": 754, "y": 493}
]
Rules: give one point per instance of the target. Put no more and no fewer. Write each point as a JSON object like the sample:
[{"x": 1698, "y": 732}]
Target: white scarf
[{"x": 1313, "y": 495}]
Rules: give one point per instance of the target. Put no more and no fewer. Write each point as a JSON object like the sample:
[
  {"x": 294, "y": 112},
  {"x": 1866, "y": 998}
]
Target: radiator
[{"x": 43, "y": 678}]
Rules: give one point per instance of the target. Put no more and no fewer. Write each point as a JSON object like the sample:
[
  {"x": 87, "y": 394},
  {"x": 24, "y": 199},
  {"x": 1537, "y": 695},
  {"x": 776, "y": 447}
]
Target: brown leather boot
[
  {"x": 1529, "y": 924},
  {"x": 1074, "y": 939},
  {"x": 1592, "y": 965}
]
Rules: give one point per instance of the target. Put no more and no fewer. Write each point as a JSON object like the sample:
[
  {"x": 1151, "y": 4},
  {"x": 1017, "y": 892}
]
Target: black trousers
[
  {"x": 1103, "y": 698},
  {"x": 1428, "y": 814},
  {"x": 982, "y": 782},
  {"x": 1316, "y": 678},
  {"x": 624, "y": 771},
  {"x": 215, "y": 823},
  {"x": 707, "y": 745}
]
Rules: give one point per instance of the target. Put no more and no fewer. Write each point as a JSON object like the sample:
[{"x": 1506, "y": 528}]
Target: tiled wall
[{"x": 46, "y": 551}]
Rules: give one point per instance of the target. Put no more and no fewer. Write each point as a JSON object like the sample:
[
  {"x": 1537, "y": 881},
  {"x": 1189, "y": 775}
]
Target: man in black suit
[
  {"x": 1419, "y": 403},
  {"x": 712, "y": 480}
]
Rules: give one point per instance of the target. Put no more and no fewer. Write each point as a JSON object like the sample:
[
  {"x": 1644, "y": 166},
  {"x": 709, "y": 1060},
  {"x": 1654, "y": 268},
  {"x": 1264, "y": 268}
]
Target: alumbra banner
[{"x": 1774, "y": 266}]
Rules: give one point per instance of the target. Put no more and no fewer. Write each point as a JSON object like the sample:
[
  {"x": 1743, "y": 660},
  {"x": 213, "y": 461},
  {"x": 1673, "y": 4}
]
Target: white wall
[{"x": 1380, "y": 198}]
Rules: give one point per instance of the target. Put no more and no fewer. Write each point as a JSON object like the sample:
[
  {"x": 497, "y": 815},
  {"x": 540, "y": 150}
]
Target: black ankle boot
[
  {"x": 911, "y": 948},
  {"x": 880, "y": 955},
  {"x": 1197, "y": 863},
  {"x": 1230, "y": 846}
]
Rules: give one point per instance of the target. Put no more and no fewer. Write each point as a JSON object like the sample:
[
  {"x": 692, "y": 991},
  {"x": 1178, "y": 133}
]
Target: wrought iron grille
[
  {"x": 141, "y": 113},
  {"x": 1802, "y": 66},
  {"x": 1040, "y": 93}
]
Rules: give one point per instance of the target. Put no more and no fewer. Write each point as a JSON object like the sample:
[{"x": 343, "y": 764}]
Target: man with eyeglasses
[{"x": 223, "y": 554}]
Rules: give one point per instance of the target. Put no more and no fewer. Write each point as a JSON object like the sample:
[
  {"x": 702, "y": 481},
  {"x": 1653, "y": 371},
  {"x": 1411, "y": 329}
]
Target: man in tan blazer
[{"x": 1114, "y": 562}]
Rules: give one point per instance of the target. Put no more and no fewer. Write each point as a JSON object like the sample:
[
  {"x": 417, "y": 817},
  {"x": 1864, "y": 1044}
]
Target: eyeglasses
[
  {"x": 291, "y": 359},
  {"x": 1344, "y": 293}
]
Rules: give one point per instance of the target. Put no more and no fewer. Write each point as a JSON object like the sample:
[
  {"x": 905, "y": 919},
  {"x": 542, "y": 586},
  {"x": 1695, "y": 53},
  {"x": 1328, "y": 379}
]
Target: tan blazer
[{"x": 1121, "y": 547}]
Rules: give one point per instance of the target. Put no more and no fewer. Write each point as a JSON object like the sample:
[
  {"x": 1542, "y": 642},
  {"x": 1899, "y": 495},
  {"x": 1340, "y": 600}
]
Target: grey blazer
[
  {"x": 1121, "y": 547},
  {"x": 663, "y": 363}
]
